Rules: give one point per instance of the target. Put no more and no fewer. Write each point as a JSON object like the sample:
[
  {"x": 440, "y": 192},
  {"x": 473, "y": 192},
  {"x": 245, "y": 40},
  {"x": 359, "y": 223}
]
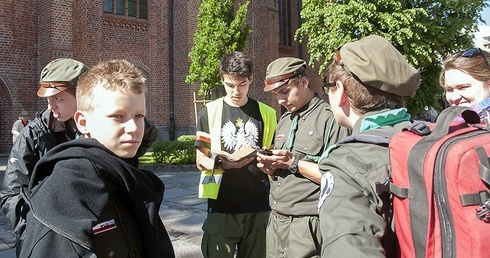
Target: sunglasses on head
[{"x": 476, "y": 51}]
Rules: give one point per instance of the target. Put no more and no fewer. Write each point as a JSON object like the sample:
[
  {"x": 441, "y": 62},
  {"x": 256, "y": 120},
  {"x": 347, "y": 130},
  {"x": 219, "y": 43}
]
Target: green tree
[
  {"x": 219, "y": 32},
  {"x": 424, "y": 31}
]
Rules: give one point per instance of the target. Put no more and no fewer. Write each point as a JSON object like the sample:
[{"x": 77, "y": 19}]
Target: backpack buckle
[
  {"x": 420, "y": 129},
  {"x": 483, "y": 211},
  {"x": 383, "y": 187}
]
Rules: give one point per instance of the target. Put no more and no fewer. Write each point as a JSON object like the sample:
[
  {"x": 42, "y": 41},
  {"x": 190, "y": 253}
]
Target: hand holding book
[{"x": 238, "y": 155}]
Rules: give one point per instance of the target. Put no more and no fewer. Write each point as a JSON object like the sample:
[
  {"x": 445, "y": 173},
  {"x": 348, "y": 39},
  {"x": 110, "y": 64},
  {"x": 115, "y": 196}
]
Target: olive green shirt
[{"x": 293, "y": 194}]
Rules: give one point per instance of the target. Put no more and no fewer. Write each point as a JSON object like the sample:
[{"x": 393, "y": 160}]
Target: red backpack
[{"x": 440, "y": 182}]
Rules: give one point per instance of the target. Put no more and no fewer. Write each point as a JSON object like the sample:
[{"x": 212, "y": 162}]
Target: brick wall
[
  {"x": 19, "y": 64},
  {"x": 32, "y": 33}
]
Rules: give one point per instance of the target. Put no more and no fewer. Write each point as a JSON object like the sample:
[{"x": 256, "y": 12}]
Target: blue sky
[
  {"x": 484, "y": 29},
  {"x": 486, "y": 16}
]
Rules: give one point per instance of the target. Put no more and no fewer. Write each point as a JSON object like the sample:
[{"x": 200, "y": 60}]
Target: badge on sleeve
[
  {"x": 327, "y": 185},
  {"x": 104, "y": 227}
]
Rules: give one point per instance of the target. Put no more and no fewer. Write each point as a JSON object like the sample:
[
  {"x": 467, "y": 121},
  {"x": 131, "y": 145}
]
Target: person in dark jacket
[
  {"x": 85, "y": 198},
  {"x": 368, "y": 80},
  {"x": 51, "y": 127}
]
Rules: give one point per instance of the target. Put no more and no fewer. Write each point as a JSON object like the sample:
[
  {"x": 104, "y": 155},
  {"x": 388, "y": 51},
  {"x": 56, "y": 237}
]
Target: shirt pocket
[{"x": 310, "y": 145}]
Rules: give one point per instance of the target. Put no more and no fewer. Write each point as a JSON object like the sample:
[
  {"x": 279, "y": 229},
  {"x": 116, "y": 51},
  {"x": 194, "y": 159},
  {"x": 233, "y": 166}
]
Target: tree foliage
[
  {"x": 424, "y": 31},
  {"x": 219, "y": 32}
]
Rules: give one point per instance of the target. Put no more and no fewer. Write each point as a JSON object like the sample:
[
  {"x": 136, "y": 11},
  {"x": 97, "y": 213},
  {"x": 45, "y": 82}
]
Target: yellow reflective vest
[{"x": 210, "y": 180}]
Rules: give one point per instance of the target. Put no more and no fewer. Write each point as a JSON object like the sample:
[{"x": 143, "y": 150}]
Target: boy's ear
[
  {"x": 251, "y": 79},
  {"x": 343, "y": 95},
  {"x": 81, "y": 121}
]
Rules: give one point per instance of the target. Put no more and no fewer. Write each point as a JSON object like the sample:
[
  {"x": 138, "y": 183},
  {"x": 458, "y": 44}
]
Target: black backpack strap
[
  {"x": 379, "y": 137},
  {"x": 374, "y": 136},
  {"x": 389, "y": 187},
  {"x": 483, "y": 165}
]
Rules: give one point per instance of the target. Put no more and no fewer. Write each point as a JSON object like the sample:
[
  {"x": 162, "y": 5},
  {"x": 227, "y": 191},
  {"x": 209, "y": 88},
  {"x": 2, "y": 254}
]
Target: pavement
[{"x": 181, "y": 211}]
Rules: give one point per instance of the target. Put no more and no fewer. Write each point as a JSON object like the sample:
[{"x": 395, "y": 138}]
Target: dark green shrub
[{"x": 181, "y": 151}]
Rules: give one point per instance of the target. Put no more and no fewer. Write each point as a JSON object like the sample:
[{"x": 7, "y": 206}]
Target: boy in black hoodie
[{"x": 84, "y": 198}]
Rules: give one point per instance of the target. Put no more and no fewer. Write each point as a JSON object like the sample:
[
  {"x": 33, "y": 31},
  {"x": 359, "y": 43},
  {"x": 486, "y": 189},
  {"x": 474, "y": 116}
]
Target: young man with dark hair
[{"x": 238, "y": 213}]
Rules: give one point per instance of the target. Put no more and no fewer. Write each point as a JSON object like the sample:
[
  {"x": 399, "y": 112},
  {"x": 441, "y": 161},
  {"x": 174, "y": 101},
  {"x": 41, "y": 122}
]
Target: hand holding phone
[{"x": 265, "y": 151}]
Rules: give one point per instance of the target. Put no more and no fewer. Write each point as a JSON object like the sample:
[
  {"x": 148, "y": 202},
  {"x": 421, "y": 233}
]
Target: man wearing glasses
[
  {"x": 370, "y": 79},
  {"x": 302, "y": 135}
]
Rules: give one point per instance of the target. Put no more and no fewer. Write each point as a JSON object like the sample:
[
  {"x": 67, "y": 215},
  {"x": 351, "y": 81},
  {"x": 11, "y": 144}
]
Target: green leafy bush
[
  {"x": 181, "y": 151},
  {"x": 147, "y": 158},
  {"x": 187, "y": 138}
]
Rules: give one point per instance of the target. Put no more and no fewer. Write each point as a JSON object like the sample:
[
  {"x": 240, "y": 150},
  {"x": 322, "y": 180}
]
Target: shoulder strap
[
  {"x": 270, "y": 121},
  {"x": 374, "y": 136},
  {"x": 215, "y": 110},
  {"x": 380, "y": 137}
]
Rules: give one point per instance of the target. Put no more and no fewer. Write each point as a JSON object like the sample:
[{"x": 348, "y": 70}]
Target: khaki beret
[
  {"x": 59, "y": 75},
  {"x": 281, "y": 69},
  {"x": 377, "y": 63}
]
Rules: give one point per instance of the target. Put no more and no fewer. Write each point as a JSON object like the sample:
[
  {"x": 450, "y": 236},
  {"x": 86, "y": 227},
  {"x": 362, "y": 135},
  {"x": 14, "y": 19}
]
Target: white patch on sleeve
[{"x": 327, "y": 185}]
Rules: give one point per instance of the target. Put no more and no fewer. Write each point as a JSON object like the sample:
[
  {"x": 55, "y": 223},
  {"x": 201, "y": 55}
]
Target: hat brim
[
  {"x": 44, "y": 92},
  {"x": 272, "y": 86}
]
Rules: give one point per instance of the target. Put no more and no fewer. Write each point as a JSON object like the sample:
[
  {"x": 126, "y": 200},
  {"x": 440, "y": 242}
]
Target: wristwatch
[{"x": 294, "y": 166}]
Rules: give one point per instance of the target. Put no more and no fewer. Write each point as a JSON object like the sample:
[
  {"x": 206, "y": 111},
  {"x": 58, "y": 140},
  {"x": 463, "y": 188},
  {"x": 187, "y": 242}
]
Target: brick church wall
[{"x": 32, "y": 33}]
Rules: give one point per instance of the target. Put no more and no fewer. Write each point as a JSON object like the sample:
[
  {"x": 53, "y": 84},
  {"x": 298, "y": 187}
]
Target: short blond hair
[{"x": 114, "y": 75}]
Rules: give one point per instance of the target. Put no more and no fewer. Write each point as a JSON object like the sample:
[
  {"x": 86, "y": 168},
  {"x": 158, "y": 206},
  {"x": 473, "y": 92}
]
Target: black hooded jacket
[
  {"x": 36, "y": 139},
  {"x": 81, "y": 184}
]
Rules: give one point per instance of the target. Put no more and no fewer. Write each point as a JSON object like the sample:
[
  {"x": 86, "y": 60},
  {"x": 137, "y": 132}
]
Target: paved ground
[{"x": 181, "y": 211}]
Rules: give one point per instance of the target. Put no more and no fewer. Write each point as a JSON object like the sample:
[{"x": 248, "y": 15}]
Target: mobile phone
[{"x": 265, "y": 151}]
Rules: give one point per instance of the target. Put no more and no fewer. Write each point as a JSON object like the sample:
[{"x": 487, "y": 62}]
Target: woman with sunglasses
[{"x": 465, "y": 77}]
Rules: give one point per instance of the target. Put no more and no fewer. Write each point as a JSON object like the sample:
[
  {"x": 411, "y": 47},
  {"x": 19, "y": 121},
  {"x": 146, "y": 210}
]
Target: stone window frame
[{"x": 284, "y": 8}]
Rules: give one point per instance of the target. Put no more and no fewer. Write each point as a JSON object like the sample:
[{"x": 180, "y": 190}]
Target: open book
[{"x": 238, "y": 155}]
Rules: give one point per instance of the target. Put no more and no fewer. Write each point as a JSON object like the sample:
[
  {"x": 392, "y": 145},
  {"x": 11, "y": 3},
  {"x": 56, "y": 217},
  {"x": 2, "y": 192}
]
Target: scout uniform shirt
[{"x": 293, "y": 194}]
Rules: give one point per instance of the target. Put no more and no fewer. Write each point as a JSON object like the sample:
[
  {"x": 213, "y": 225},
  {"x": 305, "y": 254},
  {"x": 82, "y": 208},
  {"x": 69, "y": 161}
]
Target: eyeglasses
[
  {"x": 326, "y": 87},
  {"x": 476, "y": 51}
]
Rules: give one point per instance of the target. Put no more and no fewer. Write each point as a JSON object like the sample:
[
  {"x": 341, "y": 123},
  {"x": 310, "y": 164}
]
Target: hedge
[{"x": 181, "y": 151}]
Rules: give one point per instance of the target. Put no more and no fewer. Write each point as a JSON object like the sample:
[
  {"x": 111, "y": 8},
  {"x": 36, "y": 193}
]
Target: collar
[
  {"x": 379, "y": 118},
  {"x": 311, "y": 105}
]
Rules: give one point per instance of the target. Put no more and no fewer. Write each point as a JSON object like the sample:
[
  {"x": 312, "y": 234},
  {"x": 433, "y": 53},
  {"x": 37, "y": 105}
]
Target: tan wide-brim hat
[
  {"x": 377, "y": 63},
  {"x": 59, "y": 75},
  {"x": 281, "y": 69}
]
